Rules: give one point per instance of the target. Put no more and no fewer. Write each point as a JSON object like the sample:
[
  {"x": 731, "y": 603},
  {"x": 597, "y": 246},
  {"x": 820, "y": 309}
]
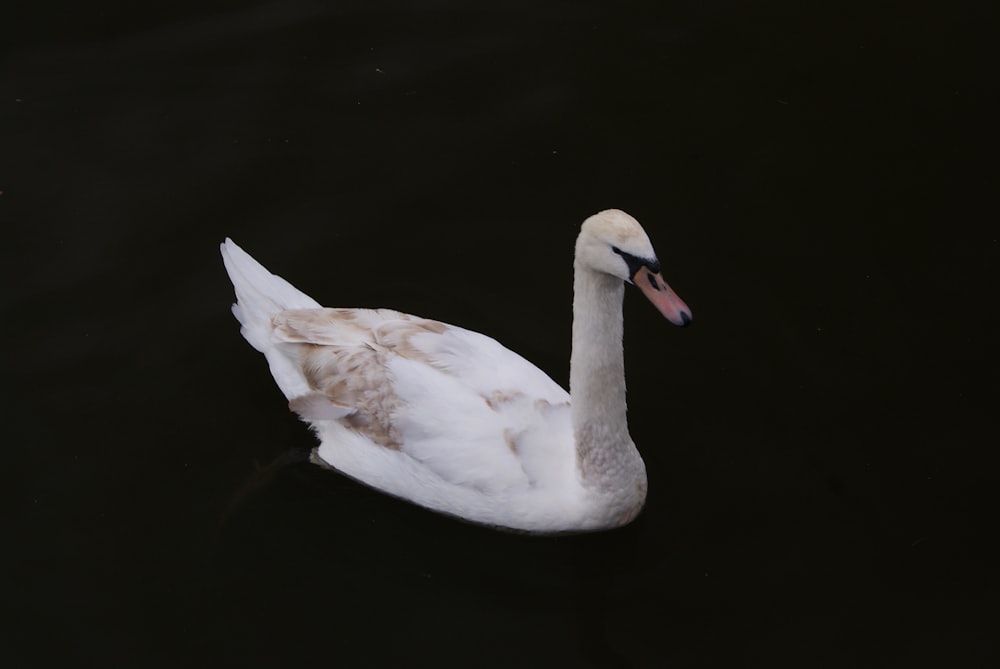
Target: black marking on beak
[
  {"x": 686, "y": 318},
  {"x": 653, "y": 282},
  {"x": 635, "y": 263}
]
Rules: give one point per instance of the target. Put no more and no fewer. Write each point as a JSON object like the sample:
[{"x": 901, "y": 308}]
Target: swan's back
[{"x": 442, "y": 416}]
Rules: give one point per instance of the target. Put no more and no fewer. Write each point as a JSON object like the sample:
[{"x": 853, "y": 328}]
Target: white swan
[{"x": 450, "y": 419}]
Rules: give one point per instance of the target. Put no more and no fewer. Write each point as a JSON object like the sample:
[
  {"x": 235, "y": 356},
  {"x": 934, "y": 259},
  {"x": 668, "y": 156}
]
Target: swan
[{"x": 451, "y": 420}]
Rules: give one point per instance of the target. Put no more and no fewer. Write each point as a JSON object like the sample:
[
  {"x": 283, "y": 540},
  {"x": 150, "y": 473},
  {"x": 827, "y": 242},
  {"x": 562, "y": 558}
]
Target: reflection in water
[{"x": 263, "y": 476}]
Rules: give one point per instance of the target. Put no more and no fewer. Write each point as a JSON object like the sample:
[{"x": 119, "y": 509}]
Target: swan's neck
[{"x": 597, "y": 382}]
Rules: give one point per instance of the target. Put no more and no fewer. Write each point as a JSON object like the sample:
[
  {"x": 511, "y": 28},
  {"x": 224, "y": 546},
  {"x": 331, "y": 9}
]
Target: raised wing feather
[{"x": 473, "y": 412}]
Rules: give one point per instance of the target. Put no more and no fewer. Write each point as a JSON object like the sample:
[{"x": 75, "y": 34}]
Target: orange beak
[{"x": 662, "y": 296}]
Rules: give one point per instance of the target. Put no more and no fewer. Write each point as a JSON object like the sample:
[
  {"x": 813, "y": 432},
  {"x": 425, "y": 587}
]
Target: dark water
[{"x": 820, "y": 444}]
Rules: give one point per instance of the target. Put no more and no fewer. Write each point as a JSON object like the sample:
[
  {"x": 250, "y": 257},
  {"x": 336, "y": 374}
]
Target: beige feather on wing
[{"x": 343, "y": 354}]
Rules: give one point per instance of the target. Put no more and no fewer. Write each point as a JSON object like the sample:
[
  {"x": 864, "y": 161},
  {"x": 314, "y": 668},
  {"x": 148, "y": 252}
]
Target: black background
[{"x": 819, "y": 181}]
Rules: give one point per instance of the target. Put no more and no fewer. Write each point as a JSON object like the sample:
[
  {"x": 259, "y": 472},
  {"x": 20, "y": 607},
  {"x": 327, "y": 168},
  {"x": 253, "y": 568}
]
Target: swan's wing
[
  {"x": 468, "y": 409},
  {"x": 485, "y": 416}
]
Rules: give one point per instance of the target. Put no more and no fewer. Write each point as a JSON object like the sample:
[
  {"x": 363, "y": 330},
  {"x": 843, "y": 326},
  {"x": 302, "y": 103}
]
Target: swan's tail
[{"x": 259, "y": 296}]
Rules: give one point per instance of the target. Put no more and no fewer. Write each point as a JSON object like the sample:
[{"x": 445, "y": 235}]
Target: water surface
[{"x": 811, "y": 178}]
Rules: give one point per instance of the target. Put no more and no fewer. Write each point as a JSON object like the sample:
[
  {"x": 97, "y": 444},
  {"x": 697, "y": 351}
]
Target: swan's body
[{"x": 450, "y": 419}]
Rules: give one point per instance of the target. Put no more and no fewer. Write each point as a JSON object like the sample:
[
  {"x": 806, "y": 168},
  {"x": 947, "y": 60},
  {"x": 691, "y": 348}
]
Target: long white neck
[{"x": 597, "y": 378}]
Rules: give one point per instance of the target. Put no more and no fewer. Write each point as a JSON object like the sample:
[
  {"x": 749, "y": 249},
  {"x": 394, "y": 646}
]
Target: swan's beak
[{"x": 662, "y": 296}]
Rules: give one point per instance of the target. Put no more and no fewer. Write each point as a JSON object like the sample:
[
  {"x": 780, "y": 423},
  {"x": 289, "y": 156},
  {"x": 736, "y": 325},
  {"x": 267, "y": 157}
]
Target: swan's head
[{"x": 612, "y": 242}]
